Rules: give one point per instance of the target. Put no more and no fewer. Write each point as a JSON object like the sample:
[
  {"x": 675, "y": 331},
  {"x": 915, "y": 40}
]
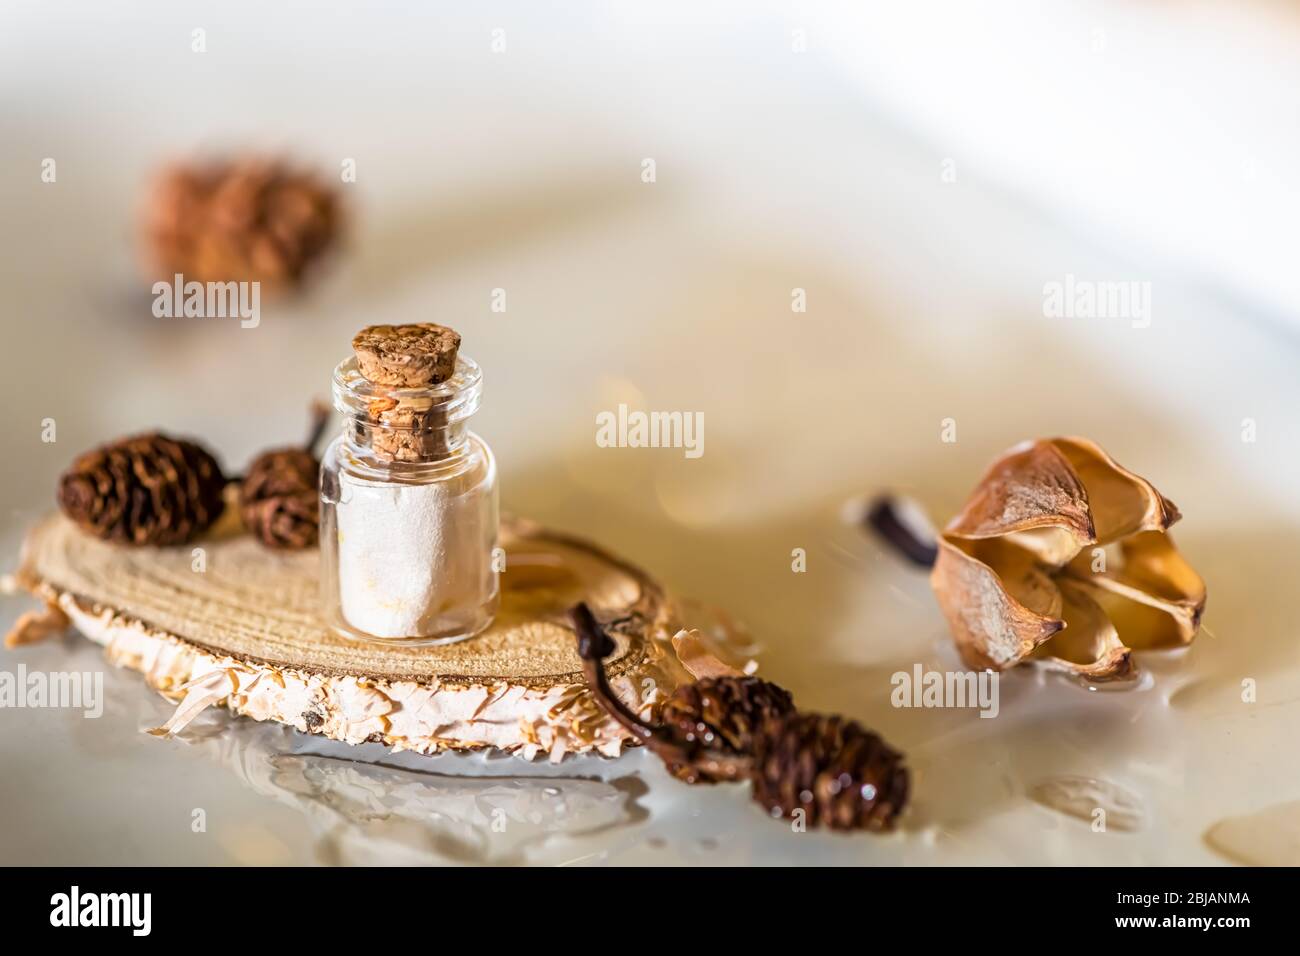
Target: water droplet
[
  {"x": 1145, "y": 681},
  {"x": 1080, "y": 797},
  {"x": 1268, "y": 837}
]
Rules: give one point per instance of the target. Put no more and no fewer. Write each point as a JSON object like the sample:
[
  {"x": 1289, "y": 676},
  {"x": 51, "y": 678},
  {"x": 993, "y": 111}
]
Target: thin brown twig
[
  {"x": 594, "y": 645},
  {"x": 884, "y": 517},
  {"x": 320, "y": 418}
]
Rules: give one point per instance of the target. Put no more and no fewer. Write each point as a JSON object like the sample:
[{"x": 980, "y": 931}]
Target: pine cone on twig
[
  {"x": 144, "y": 490},
  {"x": 251, "y": 220},
  {"x": 278, "y": 497},
  {"x": 720, "y": 714},
  {"x": 840, "y": 775}
]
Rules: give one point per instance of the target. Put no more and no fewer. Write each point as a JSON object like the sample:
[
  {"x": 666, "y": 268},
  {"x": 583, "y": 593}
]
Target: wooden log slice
[{"x": 228, "y": 622}]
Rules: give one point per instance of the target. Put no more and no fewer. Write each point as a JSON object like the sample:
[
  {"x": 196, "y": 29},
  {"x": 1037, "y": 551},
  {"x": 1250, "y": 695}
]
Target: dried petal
[
  {"x": 1120, "y": 503},
  {"x": 992, "y": 628},
  {"x": 1089, "y": 646},
  {"x": 1034, "y": 493}
]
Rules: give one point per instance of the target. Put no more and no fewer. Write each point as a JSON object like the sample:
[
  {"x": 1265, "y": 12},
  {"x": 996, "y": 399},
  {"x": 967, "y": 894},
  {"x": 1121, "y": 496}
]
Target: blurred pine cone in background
[
  {"x": 254, "y": 220},
  {"x": 278, "y": 499},
  {"x": 146, "y": 489}
]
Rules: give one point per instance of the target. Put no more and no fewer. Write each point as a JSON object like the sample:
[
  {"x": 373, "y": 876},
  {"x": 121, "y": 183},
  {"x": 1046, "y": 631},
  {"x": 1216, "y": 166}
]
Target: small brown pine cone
[
  {"x": 720, "y": 715},
  {"x": 278, "y": 499},
  {"x": 841, "y": 775},
  {"x": 144, "y": 490},
  {"x": 252, "y": 220}
]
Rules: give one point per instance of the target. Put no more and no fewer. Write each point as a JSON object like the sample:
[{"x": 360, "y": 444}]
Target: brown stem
[
  {"x": 320, "y": 417},
  {"x": 885, "y": 518},
  {"x": 594, "y": 645}
]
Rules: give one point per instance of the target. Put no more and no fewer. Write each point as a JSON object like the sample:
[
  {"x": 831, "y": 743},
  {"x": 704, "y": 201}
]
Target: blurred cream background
[{"x": 796, "y": 147}]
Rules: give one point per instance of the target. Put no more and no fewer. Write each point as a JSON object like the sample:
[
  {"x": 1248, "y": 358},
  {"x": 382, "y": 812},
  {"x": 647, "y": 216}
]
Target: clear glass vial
[{"x": 408, "y": 512}]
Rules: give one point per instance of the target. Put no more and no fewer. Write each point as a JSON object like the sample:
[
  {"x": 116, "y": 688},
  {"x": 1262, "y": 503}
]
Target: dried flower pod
[
  {"x": 1061, "y": 556},
  {"x": 842, "y": 776},
  {"x": 144, "y": 490},
  {"x": 250, "y": 220},
  {"x": 278, "y": 498},
  {"x": 720, "y": 714}
]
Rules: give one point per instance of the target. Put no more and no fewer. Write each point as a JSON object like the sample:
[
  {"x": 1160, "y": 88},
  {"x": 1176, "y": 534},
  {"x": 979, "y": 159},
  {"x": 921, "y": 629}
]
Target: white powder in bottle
[{"x": 407, "y": 556}]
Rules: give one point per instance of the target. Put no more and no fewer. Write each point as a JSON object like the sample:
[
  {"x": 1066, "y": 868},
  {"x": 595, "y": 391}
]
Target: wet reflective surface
[{"x": 1166, "y": 762}]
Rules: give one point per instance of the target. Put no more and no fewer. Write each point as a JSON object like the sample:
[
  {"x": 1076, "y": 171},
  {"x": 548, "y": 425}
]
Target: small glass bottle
[{"x": 408, "y": 512}]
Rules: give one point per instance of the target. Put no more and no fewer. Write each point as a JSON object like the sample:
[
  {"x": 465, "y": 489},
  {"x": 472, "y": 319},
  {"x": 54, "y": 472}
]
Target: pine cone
[
  {"x": 721, "y": 715},
  {"x": 146, "y": 489},
  {"x": 251, "y": 220},
  {"x": 843, "y": 776},
  {"x": 278, "y": 499}
]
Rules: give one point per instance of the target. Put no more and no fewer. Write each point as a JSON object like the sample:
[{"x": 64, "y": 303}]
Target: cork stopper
[
  {"x": 407, "y": 356},
  {"x": 407, "y": 432},
  {"x": 408, "y": 426}
]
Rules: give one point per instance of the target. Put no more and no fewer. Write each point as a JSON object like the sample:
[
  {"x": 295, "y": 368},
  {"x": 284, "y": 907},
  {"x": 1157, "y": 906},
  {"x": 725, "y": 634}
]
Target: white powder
[{"x": 410, "y": 557}]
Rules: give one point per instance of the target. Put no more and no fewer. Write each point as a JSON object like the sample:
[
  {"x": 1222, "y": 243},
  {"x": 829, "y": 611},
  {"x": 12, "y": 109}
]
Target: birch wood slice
[{"x": 245, "y": 632}]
